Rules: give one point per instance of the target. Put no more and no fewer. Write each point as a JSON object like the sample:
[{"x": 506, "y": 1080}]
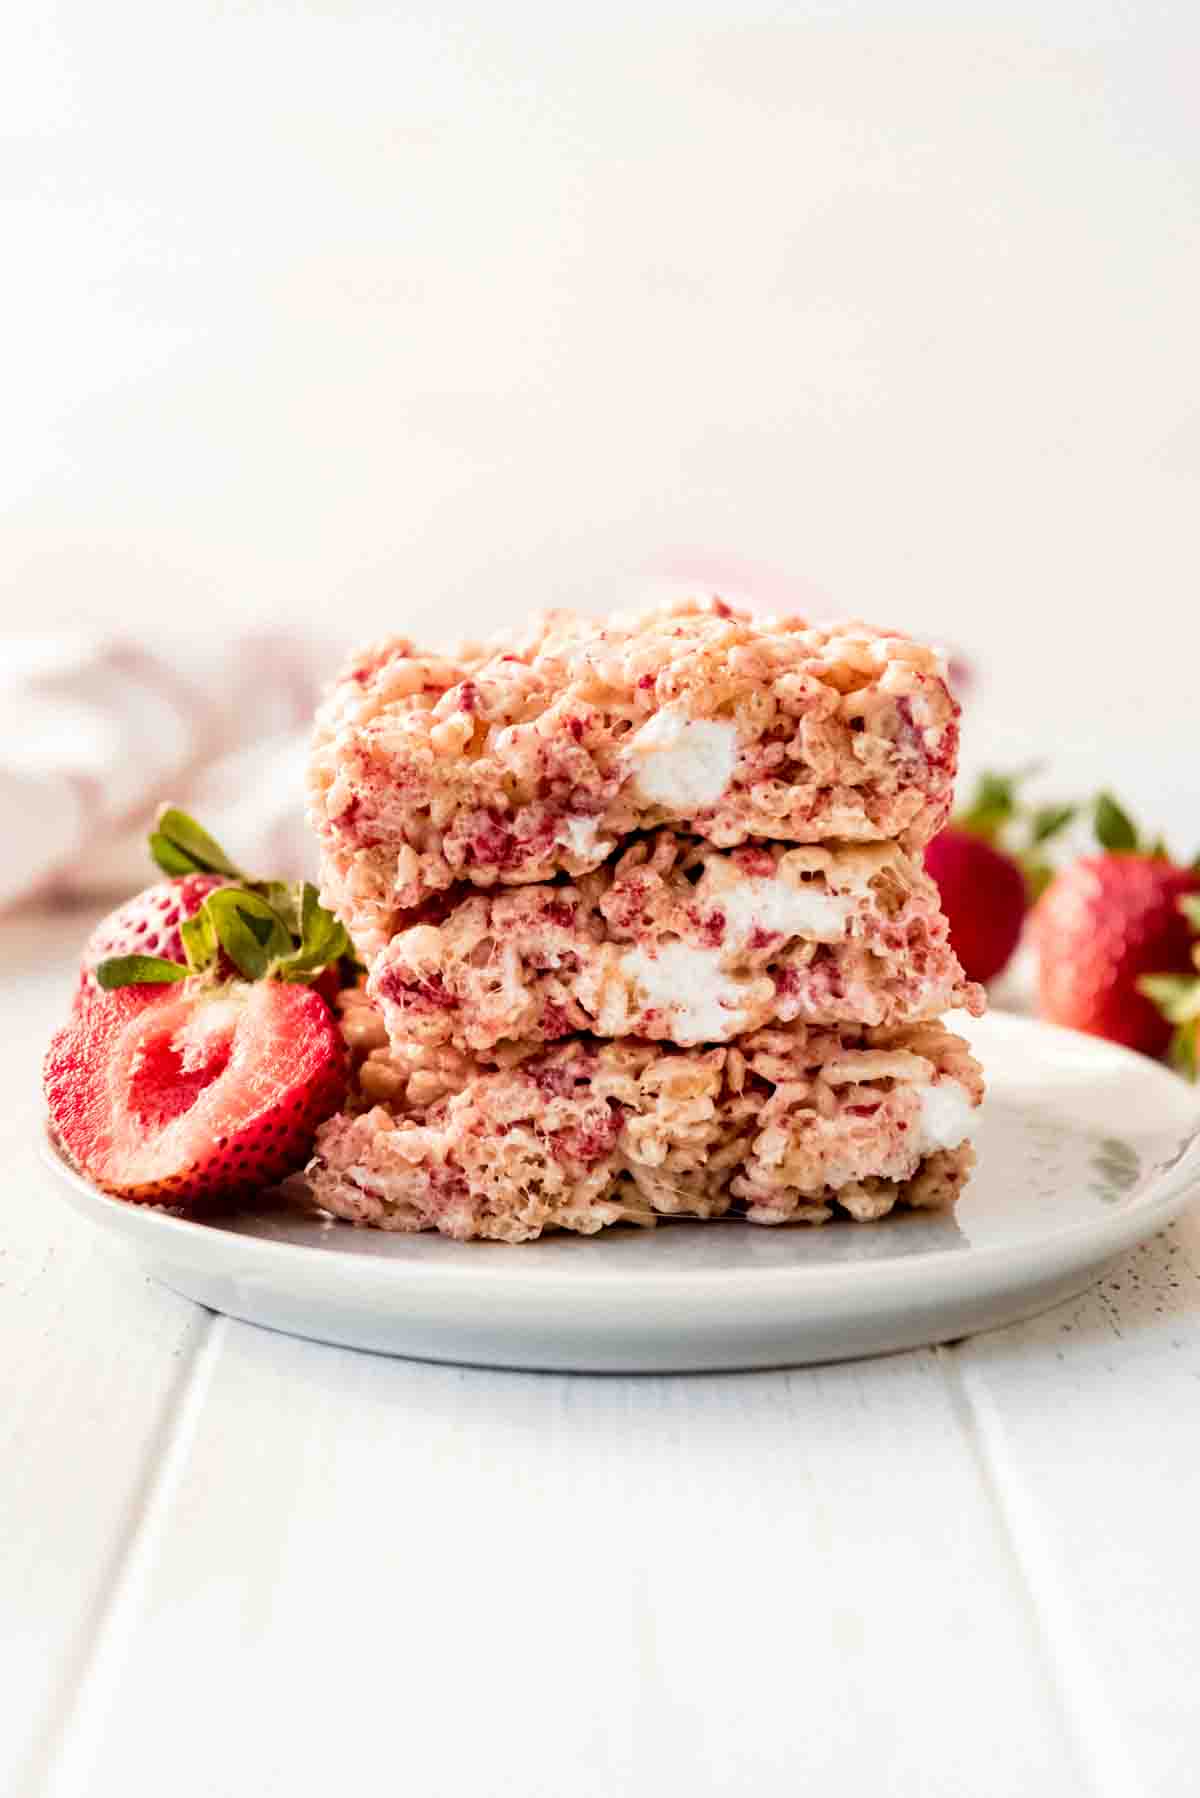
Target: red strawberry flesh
[{"x": 172, "y": 1095}]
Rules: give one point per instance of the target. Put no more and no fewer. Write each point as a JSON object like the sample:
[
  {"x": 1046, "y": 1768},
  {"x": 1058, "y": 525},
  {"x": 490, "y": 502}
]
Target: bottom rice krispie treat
[{"x": 792, "y": 1125}]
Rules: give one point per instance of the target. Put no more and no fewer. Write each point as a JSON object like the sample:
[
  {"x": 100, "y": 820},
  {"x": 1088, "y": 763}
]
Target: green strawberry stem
[
  {"x": 1178, "y": 998},
  {"x": 179, "y": 846},
  {"x": 1117, "y": 832},
  {"x": 1115, "y": 829},
  {"x": 138, "y": 970},
  {"x": 996, "y": 814},
  {"x": 268, "y": 929}
]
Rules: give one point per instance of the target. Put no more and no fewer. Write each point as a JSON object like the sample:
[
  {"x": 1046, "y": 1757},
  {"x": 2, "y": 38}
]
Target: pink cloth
[{"x": 95, "y": 732}]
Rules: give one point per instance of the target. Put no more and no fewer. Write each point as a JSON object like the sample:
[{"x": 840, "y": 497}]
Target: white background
[
  {"x": 353, "y": 317},
  {"x": 364, "y": 316}
]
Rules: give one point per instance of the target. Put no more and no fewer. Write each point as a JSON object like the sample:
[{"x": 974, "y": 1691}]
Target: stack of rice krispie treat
[{"x": 646, "y": 927}]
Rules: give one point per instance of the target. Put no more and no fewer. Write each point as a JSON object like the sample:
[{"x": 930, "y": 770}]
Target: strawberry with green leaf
[
  {"x": 210, "y": 919},
  {"x": 1107, "y": 927},
  {"x": 989, "y": 865},
  {"x": 201, "y": 1053}
]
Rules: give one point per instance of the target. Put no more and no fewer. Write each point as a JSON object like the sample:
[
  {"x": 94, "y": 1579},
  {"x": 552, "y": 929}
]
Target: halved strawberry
[{"x": 176, "y": 1094}]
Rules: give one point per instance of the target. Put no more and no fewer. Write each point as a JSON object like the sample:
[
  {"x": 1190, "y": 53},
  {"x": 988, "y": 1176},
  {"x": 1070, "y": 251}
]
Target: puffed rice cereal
[
  {"x": 535, "y": 755},
  {"x": 793, "y": 1125}
]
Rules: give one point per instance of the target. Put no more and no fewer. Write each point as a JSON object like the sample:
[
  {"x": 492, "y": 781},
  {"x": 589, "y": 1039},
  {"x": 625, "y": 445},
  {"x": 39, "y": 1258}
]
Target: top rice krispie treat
[{"x": 533, "y": 755}]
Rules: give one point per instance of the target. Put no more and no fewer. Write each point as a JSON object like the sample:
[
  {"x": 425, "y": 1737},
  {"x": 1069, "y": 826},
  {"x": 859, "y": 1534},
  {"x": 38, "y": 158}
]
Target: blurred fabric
[{"x": 96, "y": 731}]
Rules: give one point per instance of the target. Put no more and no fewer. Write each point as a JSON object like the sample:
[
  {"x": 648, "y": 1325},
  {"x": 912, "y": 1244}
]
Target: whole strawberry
[
  {"x": 986, "y": 882},
  {"x": 1103, "y": 925},
  {"x": 983, "y": 896},
  {"x": 149, "y": 923},
  {"x": 178, "y": 927}
]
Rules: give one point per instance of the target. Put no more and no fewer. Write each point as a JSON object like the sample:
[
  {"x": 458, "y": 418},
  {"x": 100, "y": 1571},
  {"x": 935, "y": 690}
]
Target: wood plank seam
[
  {"x": 59, "y": 1761},
  {"x": 1087, "y": 1719}
]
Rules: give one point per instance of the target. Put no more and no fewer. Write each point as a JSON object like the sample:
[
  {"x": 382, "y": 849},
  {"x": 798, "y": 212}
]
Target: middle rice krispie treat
[
  {"x": 676, "y": 941},
  {"x": 536, "y": 755},
  {"x": 790, "y": 1126}
]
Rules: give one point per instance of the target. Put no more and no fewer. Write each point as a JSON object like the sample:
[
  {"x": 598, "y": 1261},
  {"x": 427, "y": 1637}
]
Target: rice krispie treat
[
  {"x": 788, "y": 1127},
  {"x": 678, "y": 942},
  {"x": 533, "y": 756}
]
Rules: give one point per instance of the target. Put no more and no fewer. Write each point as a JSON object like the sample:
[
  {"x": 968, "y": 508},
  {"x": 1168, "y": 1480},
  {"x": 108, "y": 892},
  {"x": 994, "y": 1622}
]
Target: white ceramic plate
[{"x": 1084, "y": 1150}]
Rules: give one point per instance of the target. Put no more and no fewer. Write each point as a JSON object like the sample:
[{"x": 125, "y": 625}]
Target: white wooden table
[{"x": 232, "y": 1563}]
